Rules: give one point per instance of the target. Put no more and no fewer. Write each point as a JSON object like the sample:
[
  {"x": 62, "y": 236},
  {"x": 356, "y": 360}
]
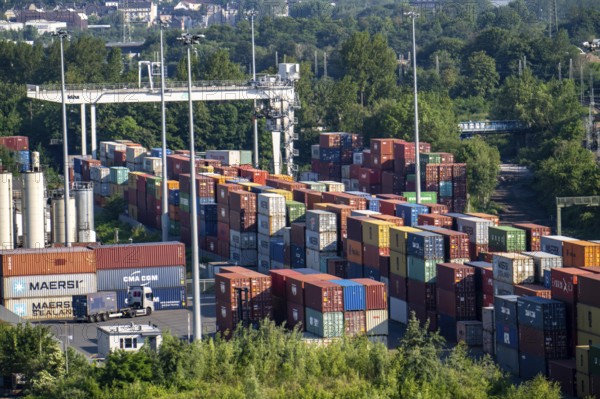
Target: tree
[{"x": 481, "y": 75}]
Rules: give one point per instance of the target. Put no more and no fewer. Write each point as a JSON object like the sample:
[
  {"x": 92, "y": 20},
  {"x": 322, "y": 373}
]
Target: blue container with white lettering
[
  {"x": 174, "y": 197},
  {"x": 541, "y": 313},
  {"x": 157, "y": 152},
  {"x": 410, "y": 213},
  {"x": 155, "y": 277},
  {"x": 507, "y": 335},
  {"x": 298, "y": 256},
  {"x": 425, "y": 245},
  {"x": 505, "y": 309}
]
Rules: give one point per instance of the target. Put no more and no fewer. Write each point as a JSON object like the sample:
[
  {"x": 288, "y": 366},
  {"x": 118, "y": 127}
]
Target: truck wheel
[
  {"x": 132, "y": 313},
  {"x": 103, "y": 317},
  {"x": 94, "y": 318},
  {"x": 89, "y": 319},
  {"x": 148, "y": 311}
]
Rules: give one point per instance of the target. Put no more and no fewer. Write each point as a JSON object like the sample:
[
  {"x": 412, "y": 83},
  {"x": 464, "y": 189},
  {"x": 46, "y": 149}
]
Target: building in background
[{"x": 129, "y": 338}]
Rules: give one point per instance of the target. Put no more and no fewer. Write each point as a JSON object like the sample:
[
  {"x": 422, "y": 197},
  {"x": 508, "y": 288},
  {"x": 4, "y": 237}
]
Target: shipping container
[
  {"x": 326, "y": 325},
  {"x": 278, "y": 281},
  {"x": 588, "y": 288},
  {"x": 140, "y": 255},
  {"x": 320, "y": 221},
  {"x": 354, "y": 295},
  {"x": 531, "y": 366},
  {"x": 508, "y": 359},
  {"x": 375, "y": 294},
  {"x": 324, "y": 296},
  {"x": 48, "y": 285},
  {"x": 398, "y": 310},
  {"x": 507, "y": 335},
  {"x": 534, "y": 233},
  {"x": 270, "y": 204},
  {"x": 506, "y": 239},
  {"x": 326, "y": 241},
  {"x": 120, "y": 279},
  {"x": 476, "y": 228},
  {"x": 45, "y": 261},
  {"x": 541, "y": 313},
  {"x": 513, "y": 268},
  {"x": 544, "y": 261},
  {"x": 271, "y": 225},
  {"x": 47, "y": 308},
  {"x": 425, "y": 245},
  {"x": 564, "y": 283},
  {"x": 295, "y": 285},
  {"x": 470, "y": 332},
  {"x": 581, "y": 254},
  {"x": 554, "y": 244},
  {"x": 588, "y": 318},
  {"x": 377, "y": 322},
  {"x": 410, "y": 213},
  {"x": 505, "y": 309},
  {"x": 532, "y": 290},
  {"x": 355, "y": 323},
  {"x": 550, "y": 344},
  {"x": 398, "y": 237},
  {"x": 563, "y": 372},
  {"x": 422, "y": 270}
]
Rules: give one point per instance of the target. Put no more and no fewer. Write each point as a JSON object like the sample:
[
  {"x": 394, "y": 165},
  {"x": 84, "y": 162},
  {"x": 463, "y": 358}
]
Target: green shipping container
[
  {"x": 245, "y": 157},
  {"x": 153, "y": 186},
  {"x": 313, "y": 185},
  {"x": 296, "y": 211},
  {"x": 184, "y": 201},
  {"x": 422, "y": 270},
  {"x": 427, "y": 197},
  {"x": 507, "y": 239},
  {"x": 119, "y": 175},
  {"x": 445, "y": 188},
  {"x": 325, "y": 325}
]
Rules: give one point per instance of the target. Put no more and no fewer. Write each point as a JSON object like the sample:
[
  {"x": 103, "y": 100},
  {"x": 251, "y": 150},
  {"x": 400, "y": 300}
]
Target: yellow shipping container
[
  {"x": 218, "y": 179},
  {"x": 398, "y": 236},
  {"x": 286, "y": 194},
  {"x": 172, "y": 184},
  {"x": 398, "y": 264},
  {"x": 248, "y": 185},
  {"x": 585, "y": 338},
  {"x": 321, "y": 206},
  {"x": 206, "y": 169},
  {"x": 132, "y": 179},
  {"x": 376, "y": 232},
  {"x": 282, "y": 177},
  {"x": 588, "y": 319},
  {"x": 582, "y": 359}
]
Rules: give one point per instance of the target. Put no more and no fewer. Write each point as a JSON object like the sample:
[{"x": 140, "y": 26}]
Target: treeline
[{"x": 268, "y": 362}]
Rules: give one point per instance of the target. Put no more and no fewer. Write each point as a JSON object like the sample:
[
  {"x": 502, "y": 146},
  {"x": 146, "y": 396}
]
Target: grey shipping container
[
  {"x": 120, "y": 279},
  {"x": 48, "y": 285},
  {"x": 508, "y": 359}
]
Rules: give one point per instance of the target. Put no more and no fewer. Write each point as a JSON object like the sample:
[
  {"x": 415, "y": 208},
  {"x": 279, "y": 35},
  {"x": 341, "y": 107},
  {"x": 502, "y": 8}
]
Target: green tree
[{"x": 481, "y": 75}]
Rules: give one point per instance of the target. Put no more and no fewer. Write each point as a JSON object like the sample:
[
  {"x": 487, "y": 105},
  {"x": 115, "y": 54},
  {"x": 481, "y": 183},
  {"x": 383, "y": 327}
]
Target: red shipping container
[
  {"x": 424, "y": 315},
  {"x": 226, "y": 285},
  {"x": 388, "y": 207},
  {"x": 563, "y": 372},
  {"x": 242, "y": 200},
  {"x": 384, "y": 265},
  {"x": 371, "y": 189},
  {"x": 227, "y": 318},
  {"x": 312, "y": 198},
  {"x": 455, "y": 277},
  {"x": 422, "y": 294},
  {"x": 533, "y": 290},
  {"x": 15, "y": 143},
  {"x": 456, "y": 244},
  {"x": 140, "y": 255},
  {"x": 368, "y": 176},
  {"x": 255, "y": 175},
  {"x": 398, "y": 287},
  {"x": 461, "y": 306},
  {"x": 371, "y": 254},
  {"x": 337, "y": 267},
  {"x": 244, "y": 221},
  {"x": 314, "y": 165},
  {"x": 435, "y": 220},
  {"x": 324, "y": 296},
  {"x": 295, "y": 286},
  {"x": 223, "y": 249},
  {"x": 436, "y": 209},
  {"x": 295, "y": 316},
  {"x": 223, "y": 232},
  {"x": 476, "y": 249},
  {"x": 564, "y": 283},
  {"x": 543, "y": 343},
  {"x": 397, "y": 221},
  {"x": 353, "y": 201},
  {"x": 330, "y": 140},
  {"x": 375, "y": 292},
  {"x": 534, "y": 233},
  {"x": 382, "y": 146},
  {"x": 388, "y": 196},
  {"x": 230, "y": 171},
  {"x": 383, "y": 161},
  {"x": 392, "y": 182},
  {"x": 355, "y": 323},
  {"x": 223, "y": 191},
  {"x": 355, "y": 171},
  {"x": 223, "y": 213},
  {"x": 588, "y": 289}
]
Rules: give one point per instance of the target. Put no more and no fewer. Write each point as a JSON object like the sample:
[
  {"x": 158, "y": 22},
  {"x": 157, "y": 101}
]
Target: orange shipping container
[
  {"x": 31, "y": 262},
  {"x": 153, "y": 254},
  {"x": 581, "y": 254}
]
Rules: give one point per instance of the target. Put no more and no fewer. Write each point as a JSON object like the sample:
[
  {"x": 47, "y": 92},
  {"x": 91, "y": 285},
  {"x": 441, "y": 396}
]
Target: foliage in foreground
[{"x": 269, "y": 362}]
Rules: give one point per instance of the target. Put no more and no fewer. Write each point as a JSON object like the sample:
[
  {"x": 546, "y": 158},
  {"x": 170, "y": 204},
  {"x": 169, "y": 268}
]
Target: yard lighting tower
[
  {"x": 252, "y": 14},
  {"x": 62, "y": 34},
  {"x": 189, "y": 40},
  {"x": 413, "y": 15},
  {"x": 164, "y": 220}
]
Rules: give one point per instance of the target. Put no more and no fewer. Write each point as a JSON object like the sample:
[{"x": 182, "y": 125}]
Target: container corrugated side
[
  {"x": 48, "y": 285},
  {"x": 140, "y": 255},
  {"x": 377, "y": 322},
  {"x": 31, "y": 262},
  {"x": 354, "y": 295},
  {"x": 120, "y": 279},
  {"x": 398, "y": 310},
  {"x": 375, "y": 293},
  {"x": 49, "y": 308},
  {"x": 326, "y": 325}
]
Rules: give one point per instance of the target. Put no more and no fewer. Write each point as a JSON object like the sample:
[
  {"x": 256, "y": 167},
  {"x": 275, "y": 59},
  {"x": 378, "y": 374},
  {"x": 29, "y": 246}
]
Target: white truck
[{"x": 102, "y": 306}]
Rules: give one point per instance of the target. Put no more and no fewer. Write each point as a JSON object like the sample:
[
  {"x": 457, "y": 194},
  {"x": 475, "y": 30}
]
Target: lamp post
[
  {"x": 165, "y": 192},
  {"x": 255, "y": 121},
  {"x": 413, "y": 15},
  {"x": 188, "y": 40},
  {"x": 62, "y": 34}
]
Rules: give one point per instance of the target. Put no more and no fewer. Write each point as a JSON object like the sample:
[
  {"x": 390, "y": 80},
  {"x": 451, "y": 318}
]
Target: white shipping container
[
  {"x": 48, "y": 286},
  {"x": 489, "y": 342},
  {"x": 242, "y": 240},
  {"x": 47, "y": 308},
  {"x": 271, "y": 204},
  {"x": 315, "y": 152},
  {"x": 476, "y": 228},
  {"x": 544, "y": 261},
  {"x": 377, "y": 322},
  {"x": 100, "y": 174},
  {"x": 287, "y": 236},
  {"x": 363, "y": 212},
  {"x": 554, "y": 244},
  {"x": 153, "y": 165},
  {"x": 357, "y": 158},
  {"x": 502, "y": 288},
  {"x": 135, "y": 154},
  {"x": 243, "y": 257},
  {"x": 112, "y": 147},
  {"x": 320, "y": 221},
  {"x": 398, "y": 310},
  {"x": 313, "y": 259},
  {"x": 103, "y": 148},
  {"x": 345, "y": 173},
  {"x": 513, "y": 268},
  {"x": 264, "y": 264},
  {"x": 263, "y": 243},
  {"x": 271, "y": 225},
  {"x": 227, "y": 157},
  {"x": 334, "y": 186},
  {"x": 309, "y": 176},
  {"x": 324, "y": 241},
  {"x": 487, "y": 318}
]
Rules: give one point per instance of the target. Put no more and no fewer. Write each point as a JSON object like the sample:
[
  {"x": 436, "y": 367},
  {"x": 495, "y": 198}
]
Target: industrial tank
[
  {"x": 84, "y": 202},
  {"x": 7, "y": 225},
  {"x": 33, "y": 210},
  {"x": 58, "y": 220}
]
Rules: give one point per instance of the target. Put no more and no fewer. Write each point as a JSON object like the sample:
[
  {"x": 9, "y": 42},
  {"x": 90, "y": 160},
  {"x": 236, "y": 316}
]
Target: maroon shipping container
[
  {"x": 355, "y": 323},
  {"x": 392, "y": 182},
  {"x": 140, "y": 255},
  {"x": 476, "y": 249},
  {"x": 368, "y": 176},
  {"x": 487, "y": 277},
  {"x": 398, "y": 286},
  {"x": 355, "y": 171},
  {"x": 533, "y": 290},
  {"x": 563, "y": 372},
  {"x": 461, "y": 306},
  {"x": 244, "y": 221},
  {"x": 353, "y": 201},
  {"x": 456, "y": 244},
  {"x": 436, "y": 209},
  {"x": 551, "y": 344},
  {"x": 389, "y": 218},
  {"x": 383, "y": 161},
  {"x": 375, "y": 292},
  {"x": 564, "y": 283},
  {"x": 324, "y": 296},
  {"x": 435, "y": 220},
  {"x": 455, "y": 277},
  {"x": 255, "y": 175},
  {"x": 342, "y": 212},
  {"x": 371, "y": 189},
  {"x": 371, "y": 255},
  {"x": 15, "y": 143},
  {"x": 226, "y": 285},
  {"x": 312, "y": 198},
  {"x": 298, "y": 233},
  {"x": 388, "y": 207},
  {"x": 354, "y": 225},
  {"x": 120, "y": 158},
  {"x": 388, "y": 196},
  {"x": 223, "y": 232},
  {"x": 223, "y": 191},
  {"x": 384, "y": 265},
  {"x": 223, "y": 249},
  {"x": 229, "y": 171},
  {"x": 588, "y": 290},
  {"x": 382, "y": 146},
  {"x": 227, "y": 318},
  {"x": 422, "y": 294},
  {"x": 330, "y": 140},
  {"x": 279, "y": 310},
  {"x": 295, "y": 316},
  {"x": 223, "y": 213},
  {"x": 534, "y": 233},
  {"x": 212, "y": 244},
  {"x": 337, "y": 267},
  {"x": 424, "y": 315},
  {"x": 295, "y": 286},
  {"x": 278, "y": 279}
]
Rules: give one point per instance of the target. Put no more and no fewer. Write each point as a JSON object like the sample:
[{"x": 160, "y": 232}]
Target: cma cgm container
[
  {"x": 31, "y": 262},
  {"x": 541, "y": 313},
  {"x": 120, "y": 279},
  {"x": 48, "y": 285},
  {"x": 47, "y": 308},
  {"x": 140, "y": 255}
]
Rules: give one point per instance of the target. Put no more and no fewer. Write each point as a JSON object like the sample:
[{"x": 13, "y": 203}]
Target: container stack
[
  {"x": 325, "y": 309},
  {"x": 584, "y": 387},
  {"x": 134, "y": 158},
  {"x": 100, "y": 176},
  {"x": 544, "y": 263},
  {"x": 511, "y": 269},
  {"x": 174, "y": 217},
  {"x": 478, "y": 231},
  {"x": 321, "y": 237},
  {"x": 243, "y": 228},
  {"x": 488, "y": 325},
  {"x": 295, "y": 304},
  {"x": 399, "y": 273},
  {"x": 542, "y": 334},
  {"x": 534, "y": 234},
  {"x": 507, "y": 333},
  {"x": 588, "y": 309},
  {"x": 376, "y": 248},
  {"x": 354, "y": 315},
  {"x": 410, "y": 213},
  {"x": 455, "y": 292},
  {"x": 298, "y": 245},
  {"x": 270, "y": 226}
]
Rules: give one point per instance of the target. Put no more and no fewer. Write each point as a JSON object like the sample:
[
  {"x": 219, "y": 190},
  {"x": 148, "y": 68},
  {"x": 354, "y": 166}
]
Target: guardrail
[{"x": 207, "y": 286}]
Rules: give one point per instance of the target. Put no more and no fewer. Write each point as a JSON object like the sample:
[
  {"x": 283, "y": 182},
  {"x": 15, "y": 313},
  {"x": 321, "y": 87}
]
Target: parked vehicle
[{"x": 101, "y": 306}]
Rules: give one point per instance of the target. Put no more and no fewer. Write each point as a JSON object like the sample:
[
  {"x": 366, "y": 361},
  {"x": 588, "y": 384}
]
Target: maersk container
[
  {"x": 120, "y": 279},
  {"x": 47, "y": 308},
  {"x": 476, "y": 228},
  {"x": 242, "y": 240},
  {"x": 48, "y": 285},
  {"x": 513, "y": 268},
  {"x": 543, "y": 261},
  {"x": 506, "y": 239},
  {"x": 320, "y": 221},
  {"x": 505, "y": 309},
  {"x": 243, "y": 257},
  {"x": 270, "y": 204},
  {"x": 164, "y": 298},
  {"x": 271, "y": 225},
  {"x": 425, "y": 245},
  {"x": 541, "y": 313},
  {"x": 507, "y": 335},
  {"x": 324, "y": 241},
  {"x": 554, "y": 244},
  {"x": 422, "y": 270},
  {"x": 325, "y": 325},
  {"x": 508, "y": 359},
  {"x": 410, "y": 213},
  {"x": 354, "y": 295}
]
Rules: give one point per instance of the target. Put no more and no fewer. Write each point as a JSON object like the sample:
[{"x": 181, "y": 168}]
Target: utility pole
[
  {"x": 590, "y": 128},
  {"x": 437, "y": 65},
  {"x": 316, "y": 65},
  {"x": 581, "y": 83},
  {"x": 255, "y": 120},
  {"x": 559, "y": 72},
  {"x": 571, "y": 68},
  {"x": 324, "y": 64},
  {"x": 276, "y": 60},
  {"x": 413, "y": 15},
  {"x": 165, "y": 190},
  {"x": 520, "y": 68}
]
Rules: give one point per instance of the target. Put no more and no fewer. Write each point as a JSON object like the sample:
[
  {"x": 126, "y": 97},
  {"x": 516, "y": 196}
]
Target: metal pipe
[{"x": 165, "y": 192}]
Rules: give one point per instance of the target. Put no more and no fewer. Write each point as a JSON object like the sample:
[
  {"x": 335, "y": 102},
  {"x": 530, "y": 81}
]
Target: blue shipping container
[
  {"x": 164, "y": 298},
  {"x": 174, "y": 197},
  {"x": 207, "y": 228},
  {"x": 508, "y": 359},
  {"x": 425, "y": 245},
  {"x": 447, "y": 326},
  {"x": 276, "y": 251},
  {"x": 208, "y": 212},
  {"x": 410, "y": 213},
  {"x": 507, "y": 335},
  {"x": 373, "y": 204},
  {"x": 333, "y": 155},
  {"x": 530, "y": 366},
  {"x": 505, "y": 309},
  {"x": 77, "y": 164},
  {"x": 157, "y": 152},
  {"x": 548, "y": 279},
  {"x": 298, "y": 255},
  {"x": 373, "y": 274},
  {"x": 541, "y": 313},
  {"x": 354, "y": 295},
  {"x": 354, "y": 270}
]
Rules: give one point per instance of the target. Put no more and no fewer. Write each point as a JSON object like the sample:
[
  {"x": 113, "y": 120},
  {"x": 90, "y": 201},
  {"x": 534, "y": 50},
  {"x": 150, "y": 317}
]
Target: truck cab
[{"x": 140, "y": 300}]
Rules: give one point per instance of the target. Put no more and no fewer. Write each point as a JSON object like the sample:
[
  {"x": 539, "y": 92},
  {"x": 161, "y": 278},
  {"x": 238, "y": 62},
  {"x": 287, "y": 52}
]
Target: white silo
[
  {"x": 7, "y": 224},
  {"x": 58, "y": 220},
  {"x": 84, "y": 202},
  {"x": 35, "y": 161},
  {"x": 33, "y": 210}
]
